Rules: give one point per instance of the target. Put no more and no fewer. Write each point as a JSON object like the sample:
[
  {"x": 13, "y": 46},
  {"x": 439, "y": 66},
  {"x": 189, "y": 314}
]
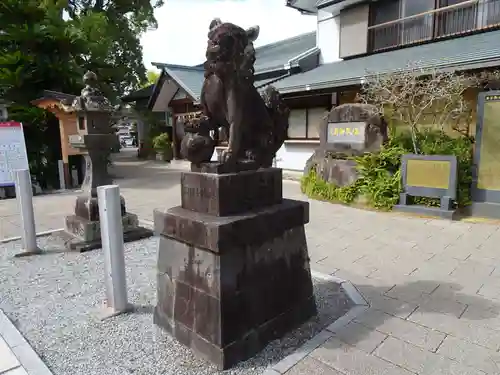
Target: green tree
[
  {"x": 37, "y": 50},
  {"x": 151, "y": 78},
  {"x": 112, "y": 31}
]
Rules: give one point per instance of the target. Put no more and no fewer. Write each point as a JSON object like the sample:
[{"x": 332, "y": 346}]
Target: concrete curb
[
  {"x": 39, "y": 234},
  {"x": 360, "y": 305},
  {"x": 23, "y": 351}
]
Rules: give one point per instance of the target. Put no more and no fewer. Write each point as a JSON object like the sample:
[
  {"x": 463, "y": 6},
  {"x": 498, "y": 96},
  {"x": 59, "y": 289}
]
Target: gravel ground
[{"x": 55, "y": 300}]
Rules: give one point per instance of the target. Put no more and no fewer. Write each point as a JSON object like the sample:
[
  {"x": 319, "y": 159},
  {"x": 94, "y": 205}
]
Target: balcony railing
[{"x": 466, "y": 17}]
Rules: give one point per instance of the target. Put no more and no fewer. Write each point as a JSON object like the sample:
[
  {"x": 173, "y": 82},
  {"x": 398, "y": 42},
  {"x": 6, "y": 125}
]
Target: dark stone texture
[
  {"x": 339, "y": 172},
  {"x": 220, "y": 234},
  {"x": 229, "y": 306},
  {"x": 233, "y": 267},
  {"x": 257, "y": 125},
  {"x": 221, "y": 168},
  {"x": 375, "y": 130},
  {"x": 87, "y": 207},
  {"x": 76, "y": 244},
  {"x": 229, "y": 194}
]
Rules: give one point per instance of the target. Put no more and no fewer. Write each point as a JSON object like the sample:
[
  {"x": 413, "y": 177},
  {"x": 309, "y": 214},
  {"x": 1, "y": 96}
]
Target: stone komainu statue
[{"x": 257, "y": 125}]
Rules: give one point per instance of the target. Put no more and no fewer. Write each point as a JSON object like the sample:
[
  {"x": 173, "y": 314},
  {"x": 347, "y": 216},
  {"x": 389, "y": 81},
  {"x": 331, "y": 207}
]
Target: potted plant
[{"x": 163, "y": 146}]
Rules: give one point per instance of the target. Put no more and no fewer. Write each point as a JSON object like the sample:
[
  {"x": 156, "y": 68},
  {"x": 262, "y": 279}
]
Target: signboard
[
  {"x": 485, "y": 189},
  {"x": 346, "y": 132},
  {"x": 488, "y": 171},
  {"x": 432, "y": 176},
  {"x": 426, "y": 173},
  {"x": 13, "y": 153}
]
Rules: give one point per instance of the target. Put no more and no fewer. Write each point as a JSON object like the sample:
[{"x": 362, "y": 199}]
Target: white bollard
[
  {"x": 62, "y": 180},
  {"x": 112, "y": 246},
  {"x": 24, "y": 197},
  {"x": 74, "y": 177}
]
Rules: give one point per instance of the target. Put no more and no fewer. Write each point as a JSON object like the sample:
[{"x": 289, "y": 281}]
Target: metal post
[
  {"x": 112, "y": 244},
  {"x": 24, "y": 197},
  {"x": 62, "y": 179}
]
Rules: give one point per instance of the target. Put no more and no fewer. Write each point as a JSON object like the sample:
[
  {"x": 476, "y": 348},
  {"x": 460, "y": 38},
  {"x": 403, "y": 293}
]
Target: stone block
[
  {"x": 232, "y": 193},
  {"x": 402, "y": 329},
  {"x": 87, "y": 230},
  {"x": 220, "y": 234},
  {"x": 228, "y": 305},
  {"x": 87, "y": 207},
  {"x": 355, "y": 334},
  {"x": 220, "y": 168},
  {"x": 420, "y": 361},
  {"x": 84, "y": 235},
  {"x": 311, "y": 366},
  {"x": 350, "y": 360}
]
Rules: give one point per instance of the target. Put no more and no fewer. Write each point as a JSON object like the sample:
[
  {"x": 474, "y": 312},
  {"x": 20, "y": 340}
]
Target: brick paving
[{"x": 433, "y": 286}]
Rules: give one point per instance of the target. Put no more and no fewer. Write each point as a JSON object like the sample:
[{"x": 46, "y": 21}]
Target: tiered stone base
[
  {"x": 82, "y": 234},
  {"x": 233, "y": 266}
]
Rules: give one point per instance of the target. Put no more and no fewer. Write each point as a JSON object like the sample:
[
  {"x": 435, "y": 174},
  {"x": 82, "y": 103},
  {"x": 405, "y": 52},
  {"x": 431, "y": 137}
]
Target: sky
[{"x": 183, "y": 25}]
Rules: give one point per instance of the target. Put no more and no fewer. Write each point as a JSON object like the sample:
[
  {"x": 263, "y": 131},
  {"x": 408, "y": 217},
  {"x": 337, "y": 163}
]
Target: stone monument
[
  {"x": 233, "y": 266},
  {"x": 348, "y": 130},
  {"x": 97, "y": 139}
]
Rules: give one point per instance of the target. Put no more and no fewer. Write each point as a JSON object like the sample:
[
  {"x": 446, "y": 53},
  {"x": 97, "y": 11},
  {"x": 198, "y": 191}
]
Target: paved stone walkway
[{"x": 433, "y": 286}]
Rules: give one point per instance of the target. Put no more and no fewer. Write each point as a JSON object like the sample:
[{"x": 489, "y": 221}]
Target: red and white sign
[
  {"x": 13, "y": 153},
  {"x": 10, "y": 124}
]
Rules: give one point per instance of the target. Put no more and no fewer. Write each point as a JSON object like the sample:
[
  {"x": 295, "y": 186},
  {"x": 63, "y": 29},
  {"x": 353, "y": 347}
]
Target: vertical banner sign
[{"x": 13, "y": 153}]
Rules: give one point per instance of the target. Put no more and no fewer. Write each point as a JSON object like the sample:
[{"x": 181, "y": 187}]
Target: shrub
[
  {"x": 379, "y": 182},
  {"x": 162, "y": 145},
  {"x": 161, "y": 142}
]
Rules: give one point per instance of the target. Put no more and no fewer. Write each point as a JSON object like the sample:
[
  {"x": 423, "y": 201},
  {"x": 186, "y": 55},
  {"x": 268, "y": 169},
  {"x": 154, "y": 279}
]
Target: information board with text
[{"x": 13, "y": 153}]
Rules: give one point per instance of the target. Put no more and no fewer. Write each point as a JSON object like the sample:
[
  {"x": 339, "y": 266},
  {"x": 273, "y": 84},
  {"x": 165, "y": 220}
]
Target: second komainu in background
[{"x": 257, "y": 125}]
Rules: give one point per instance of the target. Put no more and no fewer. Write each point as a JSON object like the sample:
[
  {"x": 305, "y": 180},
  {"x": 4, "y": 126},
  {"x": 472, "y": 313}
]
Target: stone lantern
[{"x": 96, "y": 137}]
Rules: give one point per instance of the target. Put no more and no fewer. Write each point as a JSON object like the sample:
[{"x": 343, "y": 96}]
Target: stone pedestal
[
  {"x": 82, "y": 234},
  {"x": 233, "y": 266}
]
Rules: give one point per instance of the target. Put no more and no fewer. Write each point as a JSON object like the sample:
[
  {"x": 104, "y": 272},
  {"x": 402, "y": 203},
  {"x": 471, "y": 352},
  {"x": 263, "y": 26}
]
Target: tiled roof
[
  {"x": 58, "y": 95},
  {"x": 189, "y": 78},
  {"x": 276, "y": 55},
  {"x": 139, "y": 94},
  {"x": 469, "y": 52}
]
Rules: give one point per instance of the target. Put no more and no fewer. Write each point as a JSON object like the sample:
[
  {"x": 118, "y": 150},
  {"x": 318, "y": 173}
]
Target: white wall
[
  {"x": 293, "y": 156},
  {"x": 328, "y": 37}
]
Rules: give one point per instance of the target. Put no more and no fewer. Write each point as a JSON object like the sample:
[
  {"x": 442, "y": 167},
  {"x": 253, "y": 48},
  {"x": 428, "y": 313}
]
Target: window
[
  {"x": 297, "y": 123},
  {"x": 386, "y": 33},
  {"x": 304, "y": 123},
  {"x": 314, "y": 118},
  {"x": 456, "y": 19},
  {"x": 81, "y": 123},
  {"x": 385, "y": 36},
  {"x": 489, "y": 11},
  {"x": 396, "y": 23},
  {"x": 418, "y": 28}
]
